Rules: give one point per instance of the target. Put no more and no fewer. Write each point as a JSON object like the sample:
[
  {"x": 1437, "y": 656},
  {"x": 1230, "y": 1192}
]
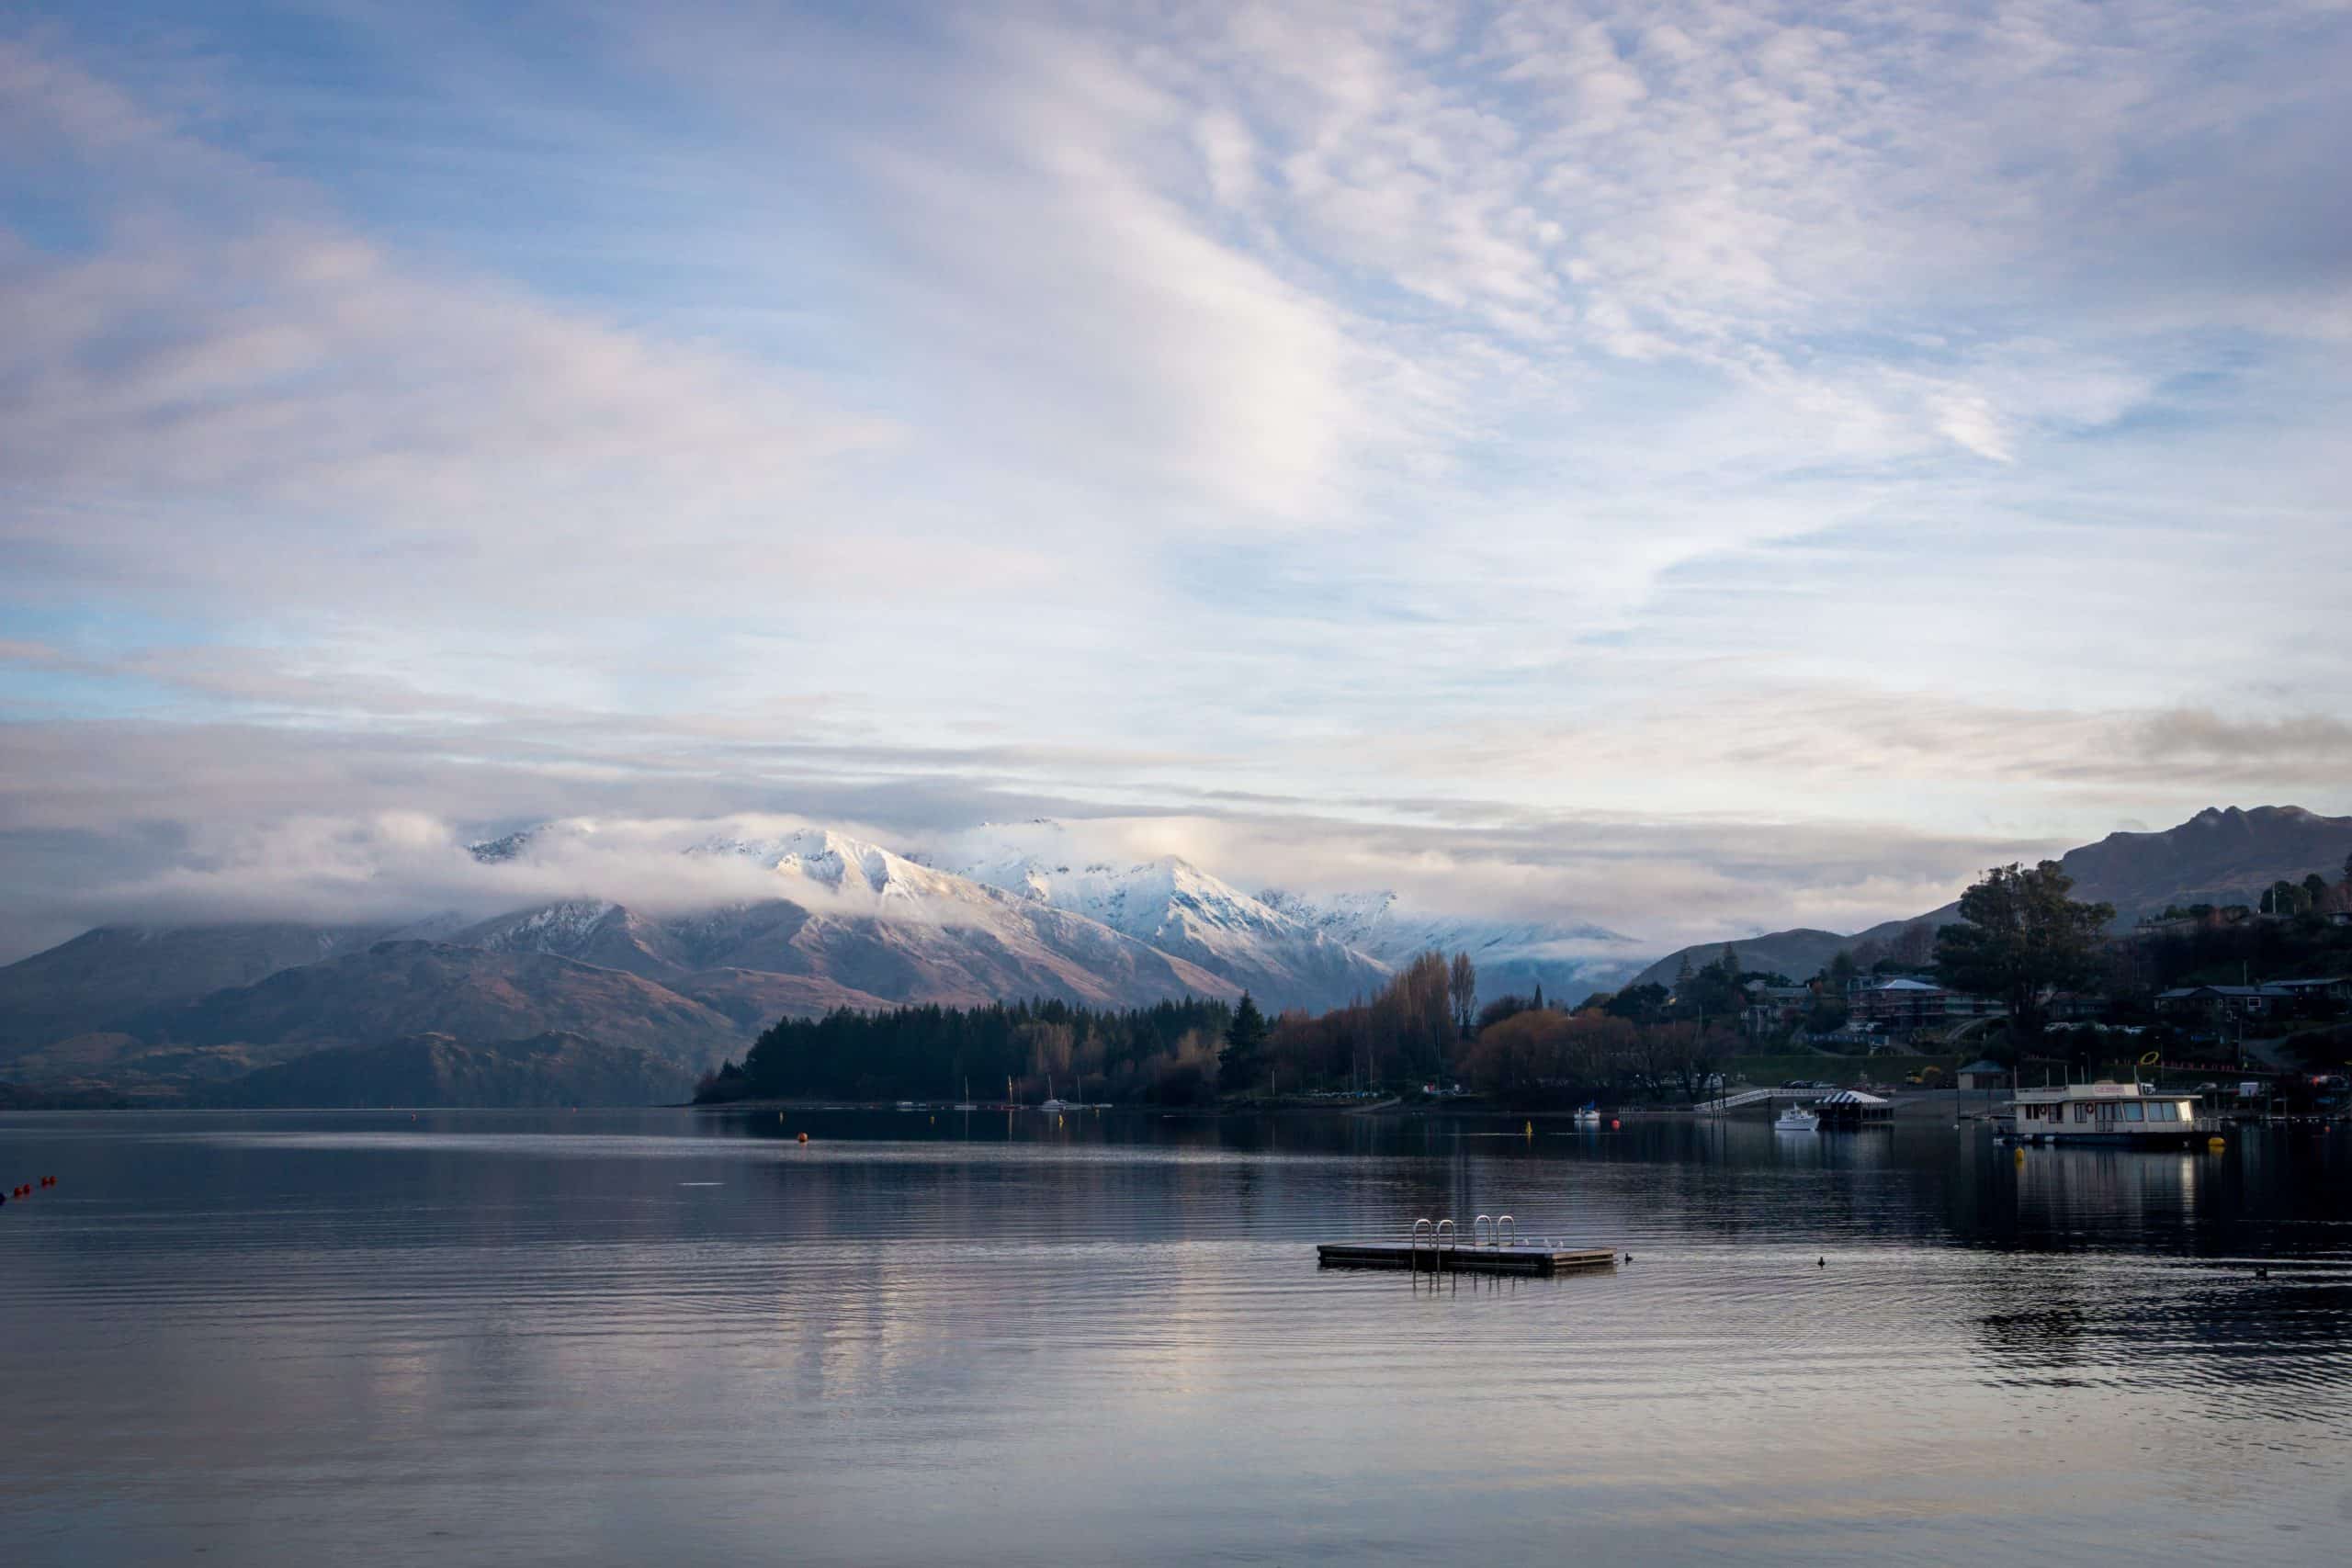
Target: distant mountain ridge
[
  {"x": 832, "y": 921},
  {"x": 1177, "y": 907},
  {"x": 1567, "y": 959},
  {"x": 829, "y": 920},
  {"x": 2222, "y": 856}
]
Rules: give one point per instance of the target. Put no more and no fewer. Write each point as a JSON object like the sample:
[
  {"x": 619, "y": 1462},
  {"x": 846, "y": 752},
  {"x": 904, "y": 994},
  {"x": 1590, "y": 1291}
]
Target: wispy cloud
[{"x": 1411, "y": 431}]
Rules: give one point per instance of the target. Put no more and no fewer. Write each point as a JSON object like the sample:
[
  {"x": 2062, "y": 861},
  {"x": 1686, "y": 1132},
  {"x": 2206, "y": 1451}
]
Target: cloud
[{"x": 1530, "y": 456}]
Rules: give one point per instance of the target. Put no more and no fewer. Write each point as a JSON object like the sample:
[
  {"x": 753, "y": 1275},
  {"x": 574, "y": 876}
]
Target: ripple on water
[{"x": 605, "y": 1338}]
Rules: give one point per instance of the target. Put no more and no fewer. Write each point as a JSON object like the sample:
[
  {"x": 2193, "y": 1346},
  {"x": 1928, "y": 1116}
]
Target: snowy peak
[
  {"x": 1566, "y": 958},
  {"x": 1174, "y": 906},
  {"x": 1143, "y": 898},
  {"x": 823, "y": 858},
  {"x": 536, "y": 841},
  {"x": 1357, "y": 919}
]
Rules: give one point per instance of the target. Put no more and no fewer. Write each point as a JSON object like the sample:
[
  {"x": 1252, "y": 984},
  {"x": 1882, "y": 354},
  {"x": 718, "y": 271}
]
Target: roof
[
  {"x": 1985, "y": 1065},
  {"x": 2105, "y": 1088},
  {"x": 1897, "y": 983},
  {"x": 1851, "y": 1097},
  {"x": 2322, "y": 980},
  {"x": 2264, "y": 990}
]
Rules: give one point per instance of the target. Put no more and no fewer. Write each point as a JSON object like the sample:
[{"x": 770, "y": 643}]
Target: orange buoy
[{"x": 804, "y": 1137}]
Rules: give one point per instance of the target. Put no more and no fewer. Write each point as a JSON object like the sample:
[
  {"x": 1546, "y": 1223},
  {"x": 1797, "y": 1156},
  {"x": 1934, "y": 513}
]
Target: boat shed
[
  {"x": 1852, "y": 1108},
  {"x": 1984, "y": 1073}
]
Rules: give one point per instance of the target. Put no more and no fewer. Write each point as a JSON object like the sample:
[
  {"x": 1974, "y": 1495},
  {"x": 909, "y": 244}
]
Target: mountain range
[
  {"x": 833, "y": 921},
  {"x": 2219, "y": 856},
  {"x": 815, "y": 920}
]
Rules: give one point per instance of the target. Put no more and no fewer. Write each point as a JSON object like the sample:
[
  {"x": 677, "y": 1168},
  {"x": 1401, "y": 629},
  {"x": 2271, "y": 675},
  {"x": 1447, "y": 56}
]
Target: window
[
  {"x": 2083, "y": 1110},
  {"x": 2132, "y": 1112},
  {"x": 2163, "y": 1110},
  {"x": 2188, "y": 1112}
]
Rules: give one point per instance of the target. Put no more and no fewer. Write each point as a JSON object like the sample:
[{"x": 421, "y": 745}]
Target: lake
[{"x": 660, "y": 1337}]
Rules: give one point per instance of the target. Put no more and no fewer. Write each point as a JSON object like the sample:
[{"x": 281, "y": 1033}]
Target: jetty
[{"x": 1495, "y": 1247}]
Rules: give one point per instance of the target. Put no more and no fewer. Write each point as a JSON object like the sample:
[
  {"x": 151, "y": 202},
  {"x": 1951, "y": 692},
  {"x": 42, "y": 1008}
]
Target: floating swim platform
[{"x": 1512, "y": 1258}]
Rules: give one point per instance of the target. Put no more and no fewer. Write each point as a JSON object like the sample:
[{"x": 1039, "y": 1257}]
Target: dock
[{"x": 1509, "y": 1259}]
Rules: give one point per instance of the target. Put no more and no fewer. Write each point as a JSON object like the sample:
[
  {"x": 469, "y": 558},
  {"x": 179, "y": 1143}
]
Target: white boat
[
  {"x": 1052, "y": 1102},
  {"x": 1796, "y": 1119},
  {"x": 1588, "y": 1117},
  {"x": 2133, "y": 1115}
]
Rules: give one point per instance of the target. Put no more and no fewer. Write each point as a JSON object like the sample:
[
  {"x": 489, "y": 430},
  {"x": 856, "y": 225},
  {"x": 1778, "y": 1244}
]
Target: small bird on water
[{"x": 1821, "y": 1263}]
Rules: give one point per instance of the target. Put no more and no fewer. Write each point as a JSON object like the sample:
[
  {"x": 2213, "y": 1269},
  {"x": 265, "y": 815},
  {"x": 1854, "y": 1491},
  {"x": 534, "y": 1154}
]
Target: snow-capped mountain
[
  {"x": 591, "y": 930},
  {"x": 1568, "y": 959},
  {"x": 820, "y": 866},
  {"x": 1175, "y": 906},
  {"x": 872, "y": 925}
]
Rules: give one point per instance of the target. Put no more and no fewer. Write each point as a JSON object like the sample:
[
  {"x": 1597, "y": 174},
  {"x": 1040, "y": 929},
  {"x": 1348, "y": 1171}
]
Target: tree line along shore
[{"x": 2044, "y": 983}]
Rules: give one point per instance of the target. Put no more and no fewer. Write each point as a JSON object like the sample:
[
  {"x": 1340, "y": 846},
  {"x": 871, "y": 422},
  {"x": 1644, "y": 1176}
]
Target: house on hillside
[
  {"x": 1772, "y": 1009},
  {"x": 2334, "y": 989},
  {"x": 2217, "y": 1002},
  {"x": 2074, "y": 1007},
  {"x": 1902, "y": 1004}
]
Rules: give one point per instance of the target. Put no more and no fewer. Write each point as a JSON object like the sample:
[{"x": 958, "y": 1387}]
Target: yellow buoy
[
  {"x": 1530, "y": 1129},
  {"x": 2214, "y": 1143}
]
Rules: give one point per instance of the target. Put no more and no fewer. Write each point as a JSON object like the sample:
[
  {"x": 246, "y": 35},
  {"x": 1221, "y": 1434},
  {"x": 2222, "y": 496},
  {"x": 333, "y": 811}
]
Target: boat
[
  {"x": 2131, "y": 1115},
  {"x": 1589, "y": 1116},
  {"x": 966, "y": 1103},
  {"x": 1053, "y": 1102},
  {"x": 1796, "y": 1119}
]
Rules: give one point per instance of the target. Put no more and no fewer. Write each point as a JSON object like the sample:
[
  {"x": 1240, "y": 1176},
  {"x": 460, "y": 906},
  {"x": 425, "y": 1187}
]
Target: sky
[{"x": 1693, "y": 467}]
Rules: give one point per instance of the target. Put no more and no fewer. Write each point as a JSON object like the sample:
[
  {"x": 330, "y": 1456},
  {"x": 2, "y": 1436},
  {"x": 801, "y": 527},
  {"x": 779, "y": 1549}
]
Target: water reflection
[{"x": 982, "y": 1337}]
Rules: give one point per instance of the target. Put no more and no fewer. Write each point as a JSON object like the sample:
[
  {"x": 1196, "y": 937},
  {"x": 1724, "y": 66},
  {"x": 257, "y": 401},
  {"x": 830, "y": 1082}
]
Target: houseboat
[{"x": 2133, "y": 1114}]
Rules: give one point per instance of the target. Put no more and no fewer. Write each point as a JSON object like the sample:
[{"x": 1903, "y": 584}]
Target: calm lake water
[{"x": 663, "y": 1337}]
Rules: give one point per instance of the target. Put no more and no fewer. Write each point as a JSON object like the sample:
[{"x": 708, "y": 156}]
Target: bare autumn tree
[{"x": 1461, "y": 983}]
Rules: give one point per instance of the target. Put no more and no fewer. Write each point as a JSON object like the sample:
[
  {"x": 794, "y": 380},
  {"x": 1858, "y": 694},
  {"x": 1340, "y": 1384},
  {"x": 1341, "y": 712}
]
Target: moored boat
[
  {"x": 2131, "y": 1115},
  {"x": 1796, "y": 1119}
]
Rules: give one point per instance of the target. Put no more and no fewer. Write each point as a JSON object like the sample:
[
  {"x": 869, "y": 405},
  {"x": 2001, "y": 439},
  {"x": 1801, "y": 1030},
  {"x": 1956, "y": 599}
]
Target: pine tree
[{"x": 1245, "y": 1047}]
